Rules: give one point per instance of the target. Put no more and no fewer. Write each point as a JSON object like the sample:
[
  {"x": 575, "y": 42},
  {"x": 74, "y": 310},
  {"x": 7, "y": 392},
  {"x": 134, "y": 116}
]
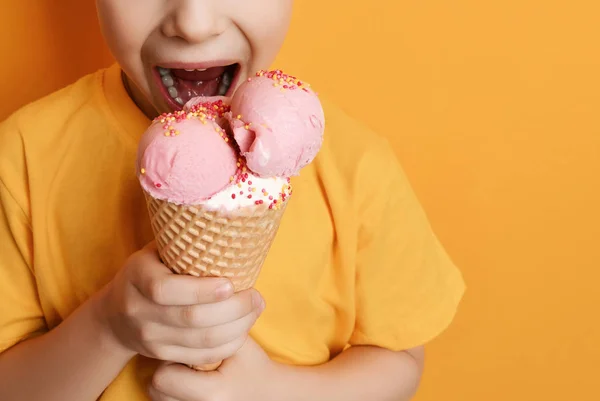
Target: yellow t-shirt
[{"x": 354, "y": 262}]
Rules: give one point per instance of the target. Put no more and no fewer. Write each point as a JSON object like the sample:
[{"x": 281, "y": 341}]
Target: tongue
[
  {"x": 190, "y": 84},
  {"x": 190, "y": 89}
]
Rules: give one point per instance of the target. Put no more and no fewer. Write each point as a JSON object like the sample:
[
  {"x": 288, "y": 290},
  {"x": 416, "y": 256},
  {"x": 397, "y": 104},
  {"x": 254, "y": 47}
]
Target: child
[{"x": 354, "y": 285}]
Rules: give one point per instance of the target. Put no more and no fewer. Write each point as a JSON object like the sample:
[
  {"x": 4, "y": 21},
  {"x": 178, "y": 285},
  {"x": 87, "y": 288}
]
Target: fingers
[
  {"x": 156, "y": 395},
  {"x": 161, "y": 286},
  {"x": 183, "y": 384},
  {"x": 208, "y": 315},
  {"x": 216, "y": 336},
  {"x": 170, "y": 289},
  {"x": 195, "y": 357}
]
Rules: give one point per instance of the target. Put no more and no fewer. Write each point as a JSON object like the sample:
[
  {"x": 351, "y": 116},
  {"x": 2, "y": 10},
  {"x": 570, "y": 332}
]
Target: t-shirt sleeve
[
  {"x": 407, "y": 287},
  {"x": 21, "y": 316}
]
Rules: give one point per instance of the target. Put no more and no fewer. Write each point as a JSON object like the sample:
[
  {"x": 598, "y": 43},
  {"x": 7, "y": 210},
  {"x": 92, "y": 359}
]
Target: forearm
[
  {"x": 359, "y": 373},
  {"x": 74, "y": 362}
]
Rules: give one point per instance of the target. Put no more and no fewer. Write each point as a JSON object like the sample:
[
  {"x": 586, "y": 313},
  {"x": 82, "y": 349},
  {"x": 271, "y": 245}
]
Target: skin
[
  {"x": 145, "y": 33},
  {"x": 185, "y": 320}
]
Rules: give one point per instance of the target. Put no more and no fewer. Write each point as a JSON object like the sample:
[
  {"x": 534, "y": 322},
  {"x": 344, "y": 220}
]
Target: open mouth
[{"x": 180, "y": 85}]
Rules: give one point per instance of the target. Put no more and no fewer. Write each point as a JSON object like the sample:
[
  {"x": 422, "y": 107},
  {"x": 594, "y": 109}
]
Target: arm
[
  {"x": 145, "y": 309},
  {"x": 74, "y": 362},
  {"x": 359, "y": 373}
]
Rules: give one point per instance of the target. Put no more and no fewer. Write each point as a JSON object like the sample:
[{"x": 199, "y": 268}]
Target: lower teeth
[
  {"x": 168, "y": 82},
  {"x": 224, "y": 86}
]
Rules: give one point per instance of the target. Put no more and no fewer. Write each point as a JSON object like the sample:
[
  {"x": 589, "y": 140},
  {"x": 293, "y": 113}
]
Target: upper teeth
[{"x": 197, "y": 69}]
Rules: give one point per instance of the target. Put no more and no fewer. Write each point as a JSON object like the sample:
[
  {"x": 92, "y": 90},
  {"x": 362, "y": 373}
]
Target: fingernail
[
  {"x": 256, "y": 299},
  {"x": 262, "y": 306},
  {"x": 224, "y": 290}
]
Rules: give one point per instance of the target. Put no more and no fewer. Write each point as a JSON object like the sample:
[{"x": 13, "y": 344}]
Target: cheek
[
  {"x": 115, "y": 26},
  {"x": 266, "y": 27},
  {"x": 123, "y": 25}
]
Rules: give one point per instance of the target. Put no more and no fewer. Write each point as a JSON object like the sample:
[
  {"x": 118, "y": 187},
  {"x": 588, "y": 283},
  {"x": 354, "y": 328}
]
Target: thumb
[{"x": 182, "y": 383}]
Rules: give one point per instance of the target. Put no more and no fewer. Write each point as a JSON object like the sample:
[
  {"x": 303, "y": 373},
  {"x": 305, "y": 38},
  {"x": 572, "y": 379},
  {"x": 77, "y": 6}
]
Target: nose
[{"x": 193, "y": 21}]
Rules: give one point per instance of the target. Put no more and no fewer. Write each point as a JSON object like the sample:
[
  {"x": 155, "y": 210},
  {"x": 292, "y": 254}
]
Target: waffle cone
[{"x": 207, "y": 243}]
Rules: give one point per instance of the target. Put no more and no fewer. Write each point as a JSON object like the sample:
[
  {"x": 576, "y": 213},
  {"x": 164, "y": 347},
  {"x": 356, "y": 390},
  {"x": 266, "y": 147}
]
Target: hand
[
  {"x": 248, "y": 376},
  {"x": 185, "y": 319}
]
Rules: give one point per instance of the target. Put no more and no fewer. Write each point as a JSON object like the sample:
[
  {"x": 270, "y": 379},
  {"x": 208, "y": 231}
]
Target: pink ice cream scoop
[
  {"x": 277, "y": 122},
  {"x": 185, "y": 158},
  {"x": 219, "y": 104}
]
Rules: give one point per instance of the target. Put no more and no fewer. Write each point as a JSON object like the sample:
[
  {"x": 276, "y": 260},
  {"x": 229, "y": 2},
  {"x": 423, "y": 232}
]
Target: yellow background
[{"x": 493, "y": 108}]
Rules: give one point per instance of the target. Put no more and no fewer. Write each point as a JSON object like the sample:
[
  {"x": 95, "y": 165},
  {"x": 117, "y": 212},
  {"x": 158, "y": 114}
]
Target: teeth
[
  {"x": 225, "y": 83},
  {"x": 222, "y": 89},
  {"x": 227, "y": 79},
  {"x": 167, "y": 80},
  {"x": 189, "y": 70}
]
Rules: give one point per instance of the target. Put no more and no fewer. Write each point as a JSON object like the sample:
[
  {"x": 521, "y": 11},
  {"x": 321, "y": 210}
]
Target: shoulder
[
  {"x": 352, "y": 144},
  {"x": 53, "y": 110},
  {"x": 355, "y": 155},
  {"x": 32, "y": 130},
  {"x": 346, "y": 135}
]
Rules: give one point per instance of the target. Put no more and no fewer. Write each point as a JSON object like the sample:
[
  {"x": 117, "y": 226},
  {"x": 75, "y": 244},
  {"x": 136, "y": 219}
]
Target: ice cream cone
[
  {"x": 216, "y": 176},
  {"x": 201, "y": 242}
]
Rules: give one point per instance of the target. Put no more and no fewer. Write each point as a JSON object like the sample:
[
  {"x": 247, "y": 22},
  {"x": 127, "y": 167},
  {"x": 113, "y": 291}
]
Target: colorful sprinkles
[
  {"x": 283, "y": 81},
  {"x": 205, "y": 111},
  {"x": 219, "y": 108},
  {"x": 244, "y": 184},
  {"x": 211, "y": 111}
]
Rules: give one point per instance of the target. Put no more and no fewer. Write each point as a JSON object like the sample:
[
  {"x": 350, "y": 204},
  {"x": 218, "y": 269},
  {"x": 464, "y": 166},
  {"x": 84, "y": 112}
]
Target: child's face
[{"x": 159, "y": 42}]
